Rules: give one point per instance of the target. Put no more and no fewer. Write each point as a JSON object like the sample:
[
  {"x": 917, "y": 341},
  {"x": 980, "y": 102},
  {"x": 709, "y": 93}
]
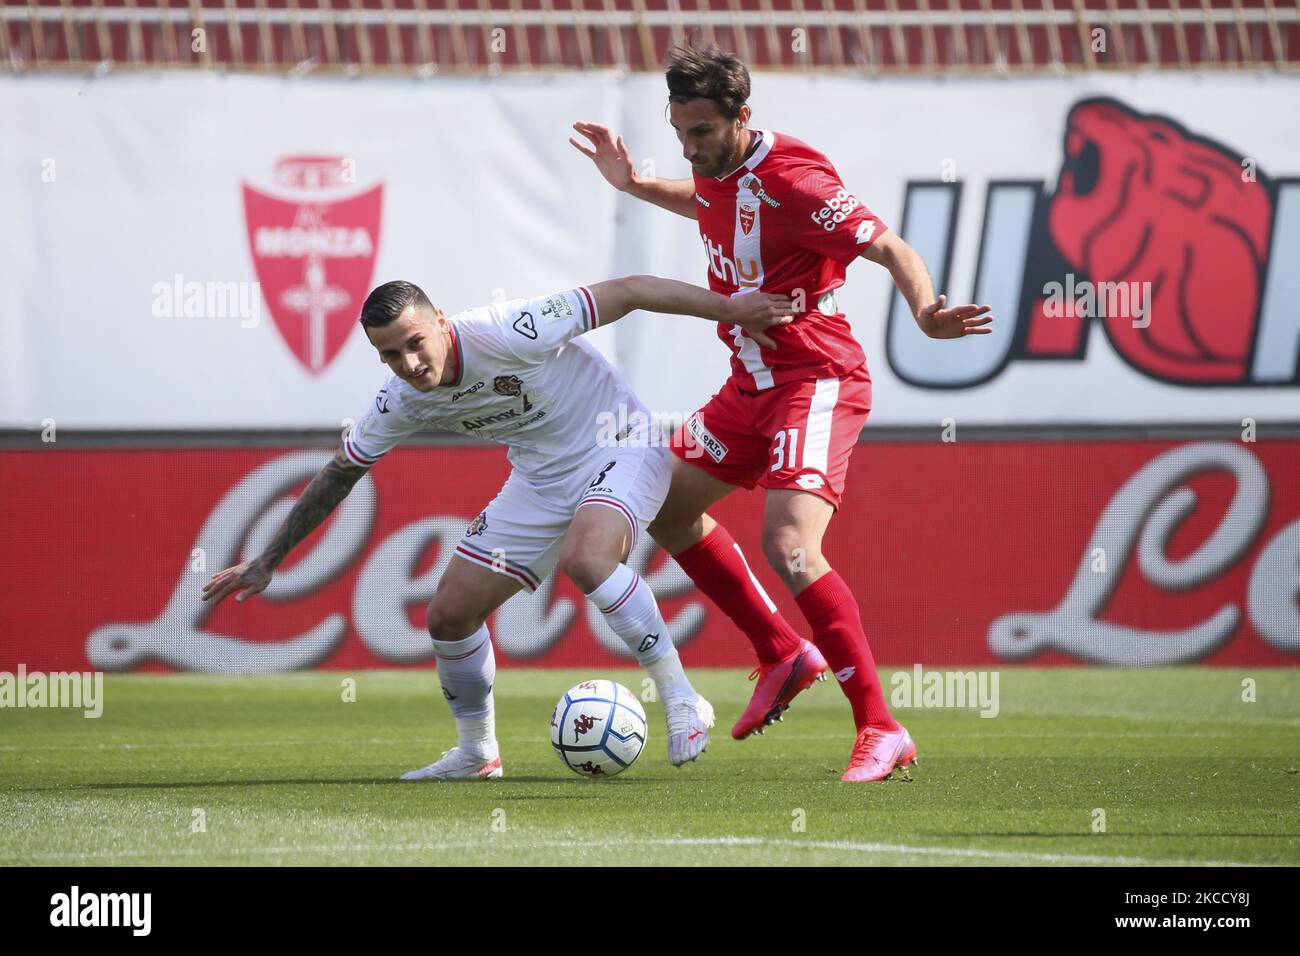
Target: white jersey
[{"x": 521, "y": 379}]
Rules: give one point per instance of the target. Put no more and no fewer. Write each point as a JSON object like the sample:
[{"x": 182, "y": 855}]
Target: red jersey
[{"x": 784, "y": 222}]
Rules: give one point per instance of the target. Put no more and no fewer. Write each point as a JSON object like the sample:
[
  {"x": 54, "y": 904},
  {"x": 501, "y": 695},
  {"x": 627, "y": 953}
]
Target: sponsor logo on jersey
[
  {"x": 755, "y": 186},
  {"x": 715, "y": 449},
  {"x": 313, "y": 250},
  {"x": 514, "y": 426},
  {"x": 701, "y": 200},
  {"x": 468, "y": 391},
  {"x": 477, "y": 526},
  {"x": 525, "y": 325},
  {"x": 557, "y": 307},
  {"x": 726, "y": 269},
  {"x": 511, "y": 386},
  {"x": 473, "y": 424},
  {"x": 747, "y": 214},
  {"x": 381, "y": 401},
  {"x": 837, "y": 208}
]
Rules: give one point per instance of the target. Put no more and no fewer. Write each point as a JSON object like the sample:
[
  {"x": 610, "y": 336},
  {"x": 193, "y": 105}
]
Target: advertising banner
[
  {"x": 190, "y": 251},
  {"x": 965, "y": 553}
]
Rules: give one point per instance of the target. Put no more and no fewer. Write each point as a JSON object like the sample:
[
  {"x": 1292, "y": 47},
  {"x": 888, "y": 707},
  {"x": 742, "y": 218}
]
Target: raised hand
[
  {"x": 609, "y": 154},
  {"x": 940, "y": 323}
]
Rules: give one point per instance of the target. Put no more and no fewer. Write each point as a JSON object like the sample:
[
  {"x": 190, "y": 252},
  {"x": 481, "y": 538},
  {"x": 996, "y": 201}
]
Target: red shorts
[{"x": 796, "y": 436}]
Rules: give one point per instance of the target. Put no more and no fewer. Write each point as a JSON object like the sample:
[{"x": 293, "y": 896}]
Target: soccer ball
[{"x": 598, "y": 728}]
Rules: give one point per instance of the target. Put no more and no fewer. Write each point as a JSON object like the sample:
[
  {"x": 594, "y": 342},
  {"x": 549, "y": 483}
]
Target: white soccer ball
[{"x": 598, "y": 728}]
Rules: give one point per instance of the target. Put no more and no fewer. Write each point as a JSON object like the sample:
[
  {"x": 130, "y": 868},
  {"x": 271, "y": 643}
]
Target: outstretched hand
[
  {"x": 251, "y": 577},
  {"x": 940, "y": 323},
  {"x": 610, "y": 153}
]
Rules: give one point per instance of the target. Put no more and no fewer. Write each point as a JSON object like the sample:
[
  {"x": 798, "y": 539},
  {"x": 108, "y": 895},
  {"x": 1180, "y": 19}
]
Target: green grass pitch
[{"x": 280, "y": 770}]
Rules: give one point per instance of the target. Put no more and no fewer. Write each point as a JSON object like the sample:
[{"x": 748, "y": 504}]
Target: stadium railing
[{"x": 427, "y": 37}]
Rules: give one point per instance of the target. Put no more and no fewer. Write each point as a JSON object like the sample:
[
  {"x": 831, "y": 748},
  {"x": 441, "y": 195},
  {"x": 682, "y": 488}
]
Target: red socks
[
  {"x": 718, "y": 568},
  {"x": 832, "y": 612}
]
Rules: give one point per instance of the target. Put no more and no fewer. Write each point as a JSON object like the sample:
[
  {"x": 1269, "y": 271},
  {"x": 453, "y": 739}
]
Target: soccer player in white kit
[{"x": 518, "y": 373}]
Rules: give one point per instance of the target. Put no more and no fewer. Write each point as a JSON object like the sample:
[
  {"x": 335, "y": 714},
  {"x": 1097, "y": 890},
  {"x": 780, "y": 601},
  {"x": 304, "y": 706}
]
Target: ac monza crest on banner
[{"x": 314, "y": 249}]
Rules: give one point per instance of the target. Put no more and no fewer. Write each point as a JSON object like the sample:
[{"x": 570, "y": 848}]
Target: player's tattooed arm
[
  {"x": 755, "y": 312},
  {"x": 913, "y": 280},
  {"x": 330, "y": 486},
  {"x": 611, "y": 156}
]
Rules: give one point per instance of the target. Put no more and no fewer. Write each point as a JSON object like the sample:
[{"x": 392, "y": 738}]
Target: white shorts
[{"x": 521, "y": 530}]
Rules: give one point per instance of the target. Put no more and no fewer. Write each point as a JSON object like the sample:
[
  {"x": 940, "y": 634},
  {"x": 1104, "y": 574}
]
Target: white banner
[{"x": 190, "y": 251}]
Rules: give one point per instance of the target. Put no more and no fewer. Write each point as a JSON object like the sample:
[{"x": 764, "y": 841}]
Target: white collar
[{"x": 766, "y": 140}]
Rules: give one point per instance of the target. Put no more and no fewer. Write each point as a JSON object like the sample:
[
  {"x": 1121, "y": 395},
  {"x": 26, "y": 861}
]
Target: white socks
[
  {"x": 466, "y": 670},
  {"x": 629, "y": 607}
]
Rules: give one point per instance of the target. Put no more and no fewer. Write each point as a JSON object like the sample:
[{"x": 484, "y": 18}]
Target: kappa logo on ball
[
  {"x": 313, "y": 250},
  {"x": 583, "y": 725}
]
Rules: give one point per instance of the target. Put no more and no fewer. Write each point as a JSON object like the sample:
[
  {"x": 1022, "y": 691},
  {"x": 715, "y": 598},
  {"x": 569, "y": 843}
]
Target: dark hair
[
  {"x": 708, "y": 73},
  {"x": 388, "y": 301}
]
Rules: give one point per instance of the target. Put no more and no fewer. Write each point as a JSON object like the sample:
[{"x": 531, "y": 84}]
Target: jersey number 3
[{"x": 786, "y": 454}]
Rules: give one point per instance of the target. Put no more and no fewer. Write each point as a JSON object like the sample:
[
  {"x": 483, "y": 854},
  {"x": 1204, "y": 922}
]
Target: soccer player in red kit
[{"x": 774, "y": 216}]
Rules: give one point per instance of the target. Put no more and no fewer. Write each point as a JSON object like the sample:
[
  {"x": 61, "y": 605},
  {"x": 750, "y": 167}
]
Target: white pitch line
[
  {"x": 215, "y": 744},
  {"x": 943, "y": 852},
  {"x": 318, "y": 741}
]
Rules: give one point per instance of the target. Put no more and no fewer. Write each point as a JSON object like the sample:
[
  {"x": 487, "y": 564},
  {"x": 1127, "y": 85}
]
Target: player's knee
[
  {"x": 675, "y": 531},
  {"x": 448, "y": 623},
  {"x": 586, "y": 569},
  {"x": 664, "y": 530},
  {"x": 786, "y": 551}
]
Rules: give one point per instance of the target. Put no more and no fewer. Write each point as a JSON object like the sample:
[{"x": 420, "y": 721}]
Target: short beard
[{"x": 731, "y": 161}]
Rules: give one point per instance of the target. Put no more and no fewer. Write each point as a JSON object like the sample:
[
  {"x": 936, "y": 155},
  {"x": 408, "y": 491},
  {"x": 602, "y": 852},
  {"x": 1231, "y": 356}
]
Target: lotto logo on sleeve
[{"x": 716, "y": 450}]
